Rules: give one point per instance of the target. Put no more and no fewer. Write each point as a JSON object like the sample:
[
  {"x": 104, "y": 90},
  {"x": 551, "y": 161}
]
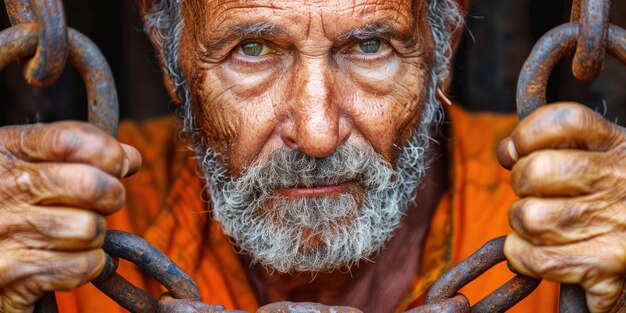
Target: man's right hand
[{"x": 56, "y": 183}]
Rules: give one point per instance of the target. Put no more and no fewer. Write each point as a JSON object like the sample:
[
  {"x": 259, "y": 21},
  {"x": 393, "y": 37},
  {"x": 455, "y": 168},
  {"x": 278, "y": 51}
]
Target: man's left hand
[{"x": 569, "y": 168}]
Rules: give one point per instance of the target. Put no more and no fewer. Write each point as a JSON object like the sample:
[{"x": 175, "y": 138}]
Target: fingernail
[
  {"x": 510, "y": 147},
  {"x": 125, "y": 167}
]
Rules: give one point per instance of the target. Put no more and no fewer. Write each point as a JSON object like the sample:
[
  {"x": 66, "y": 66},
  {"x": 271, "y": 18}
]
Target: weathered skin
[
  {"x": 569, "y": 167},
  {"x": 314, "y": 93},
  {"x": 57, "y": 181}
]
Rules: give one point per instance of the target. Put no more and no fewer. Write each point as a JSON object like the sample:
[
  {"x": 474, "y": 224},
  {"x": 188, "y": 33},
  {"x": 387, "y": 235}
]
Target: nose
[{"x": 315, "y": 125}]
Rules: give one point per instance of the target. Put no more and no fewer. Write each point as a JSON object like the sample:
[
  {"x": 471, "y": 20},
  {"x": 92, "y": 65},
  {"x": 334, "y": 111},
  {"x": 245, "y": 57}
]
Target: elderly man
[{"x": 313, "y": 126}]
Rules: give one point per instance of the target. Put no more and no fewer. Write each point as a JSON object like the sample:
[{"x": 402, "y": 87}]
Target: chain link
[
  {"x": 119, "y": 244},
  {"x": 37, "y": 33},
  {"x": 590, "y": 16},
  {"x": 471, "y": 268},
  {"x": 45, "y": 67}
]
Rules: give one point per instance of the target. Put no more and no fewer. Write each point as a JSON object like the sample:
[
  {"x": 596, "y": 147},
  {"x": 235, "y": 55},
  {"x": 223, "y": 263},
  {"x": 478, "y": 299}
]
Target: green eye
[
  {"x": 254, "y": 49},
  {"x": 369, "y": 45}
]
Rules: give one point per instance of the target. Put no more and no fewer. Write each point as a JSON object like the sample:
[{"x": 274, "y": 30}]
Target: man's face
[
  {"x": 305, "y": 108},
  {"x": 311, "y": 75}
]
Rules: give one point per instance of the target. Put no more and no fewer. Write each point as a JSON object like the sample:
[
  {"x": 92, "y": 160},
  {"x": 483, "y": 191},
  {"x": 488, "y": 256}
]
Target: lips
[{"x": 317, "y": 191}]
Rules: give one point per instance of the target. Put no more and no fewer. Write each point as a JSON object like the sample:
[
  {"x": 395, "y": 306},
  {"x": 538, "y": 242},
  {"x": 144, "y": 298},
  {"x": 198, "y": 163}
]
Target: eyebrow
[
  {"x": 237, "y": 32},
  {"x": 377, "y": 30}
]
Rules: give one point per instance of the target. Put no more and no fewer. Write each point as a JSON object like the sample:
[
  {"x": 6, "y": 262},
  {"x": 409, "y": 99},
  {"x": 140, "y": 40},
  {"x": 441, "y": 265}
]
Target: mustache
[{"x": 292, "y": 168}]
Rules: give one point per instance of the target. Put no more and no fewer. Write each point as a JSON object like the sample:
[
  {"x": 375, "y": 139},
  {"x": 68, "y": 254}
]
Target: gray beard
[{"x": 315, "y": 234}]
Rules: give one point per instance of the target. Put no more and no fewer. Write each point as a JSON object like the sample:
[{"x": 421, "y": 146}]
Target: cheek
[
  {"x": 385, "y": 103},
  {"x": 237, "y": 114},
  {"x": 214, "y": 110}
]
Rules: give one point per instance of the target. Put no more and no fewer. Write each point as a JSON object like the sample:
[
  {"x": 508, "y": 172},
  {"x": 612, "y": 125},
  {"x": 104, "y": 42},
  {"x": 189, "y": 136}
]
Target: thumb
[
  {"x": 132, "y": 160},
  {"x": 507, "y": 153}
]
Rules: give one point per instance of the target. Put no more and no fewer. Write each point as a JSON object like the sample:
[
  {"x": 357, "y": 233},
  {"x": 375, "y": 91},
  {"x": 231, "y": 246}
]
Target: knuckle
[
  {"x": 94, "y": 144},
  {"x": 570, "y": 115},
  {"x": 12, "y": 263},
  {"x": 531, "y": 218},
  {"x": 65, "y": 138},
  {"x": 544, "y": 263},
  {"x": 77, "y": 273},
  {"x": 70, "y": 272},
  {"x": 528, "y": 174},
  {"x": 112, "y": 155},
  {"x": 613, "y": 260},
  {"x": 90, "y": 227},
  {"x": 31, "y": 184},
  {"x": 46, "y": 224},
  {"x": 15, "y": 302},
  {"x": 536, "y": 168},
  {"x": 92, "y": 185},
  {"x": 101, "y": 190},
  {"x": 50, "y": 229}
]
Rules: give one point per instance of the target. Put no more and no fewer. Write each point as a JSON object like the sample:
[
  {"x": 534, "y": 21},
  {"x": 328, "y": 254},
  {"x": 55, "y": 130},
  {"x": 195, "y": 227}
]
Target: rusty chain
[
  {"x": 119, "y": 244},
  {"x": 40, "y": 39},
  {"x": 27, "y": 40},
  {"x": 591, "y": 37},
  {"x": 475, "y": 265}
]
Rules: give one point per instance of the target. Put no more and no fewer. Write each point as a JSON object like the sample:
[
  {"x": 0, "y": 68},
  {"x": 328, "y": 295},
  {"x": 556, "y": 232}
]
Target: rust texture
[
  {"x": 463, "y": 273},
  {"x": 103, "y": 110},
  {"x": 592, "y": 39},
  {"x": 126, "y": 294},
  {"x": 456, "y": 304},
  {"x": 21, "y": 40},
  {"x": 591, "y": 36},
  {"x": 304, "y": 307},
  {"x": 552, "y": 47},
  {"x": 42, "y": 40},
  {"x": 505, "y": 297},
  {"x": 152, "y": 261},
  {"x": 17, "y": 42},
  {"x": 48, "y": 62},
  {"x": 486, "y": 257}
]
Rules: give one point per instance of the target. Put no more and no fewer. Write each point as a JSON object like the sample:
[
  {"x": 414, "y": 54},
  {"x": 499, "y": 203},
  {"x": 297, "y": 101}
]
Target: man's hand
[
  {"x": 56, "y": 182},
  {"x": 569, "y": 167}
]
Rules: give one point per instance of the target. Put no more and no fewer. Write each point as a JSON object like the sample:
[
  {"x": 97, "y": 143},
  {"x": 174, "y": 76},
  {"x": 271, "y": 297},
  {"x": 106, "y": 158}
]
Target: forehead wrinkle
[{"x": 226, "y": 36}]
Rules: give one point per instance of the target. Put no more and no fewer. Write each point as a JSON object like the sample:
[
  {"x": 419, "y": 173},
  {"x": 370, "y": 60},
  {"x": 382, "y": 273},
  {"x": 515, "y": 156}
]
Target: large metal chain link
[
  {"x": 119, "y": 244},
  {"x": 42, "y": 41},
  {"x": 48, "y": 50},
  {"x": 47, "y": 64}
]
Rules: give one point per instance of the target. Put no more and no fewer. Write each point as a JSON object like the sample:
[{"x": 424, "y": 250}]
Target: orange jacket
[{"x": 166, "y": 206}]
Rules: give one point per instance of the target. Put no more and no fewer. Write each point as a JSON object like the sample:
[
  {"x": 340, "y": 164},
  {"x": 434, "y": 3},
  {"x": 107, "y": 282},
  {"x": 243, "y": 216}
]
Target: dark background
[{"x": 498, "y": 38}]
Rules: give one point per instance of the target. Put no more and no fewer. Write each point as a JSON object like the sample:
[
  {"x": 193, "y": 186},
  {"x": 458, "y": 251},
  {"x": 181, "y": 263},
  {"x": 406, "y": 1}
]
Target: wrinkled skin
[
  {"x": 312, "y": 92},
  {"x": 57, "y": 182},
  {"x": 315, "y": 93},
  {"x": 569, "y": 168}
]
